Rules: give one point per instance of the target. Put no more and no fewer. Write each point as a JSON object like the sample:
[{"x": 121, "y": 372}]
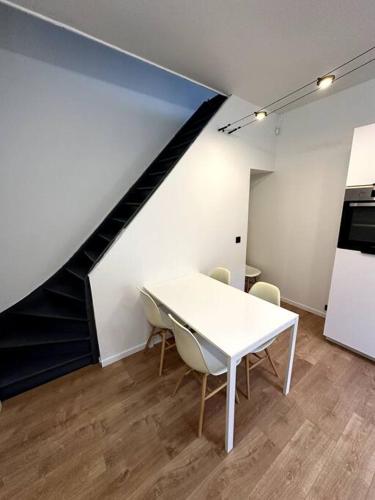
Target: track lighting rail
[{"x": 322, "y": 82}]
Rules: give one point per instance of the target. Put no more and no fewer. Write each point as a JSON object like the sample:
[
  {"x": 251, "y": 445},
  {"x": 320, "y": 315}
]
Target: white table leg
[
  {"x": 231, "y": 394},
  {"x": 292, "y": 346}
]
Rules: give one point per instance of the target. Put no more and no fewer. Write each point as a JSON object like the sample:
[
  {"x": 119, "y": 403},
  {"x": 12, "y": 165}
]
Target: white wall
[
  {"x": 295, "y": 212},
  {"x": 78, "y": 124},
  {"x": 190, "y": 224}
]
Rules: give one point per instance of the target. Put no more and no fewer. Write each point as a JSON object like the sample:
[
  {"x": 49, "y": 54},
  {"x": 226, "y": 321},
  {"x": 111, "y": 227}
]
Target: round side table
[{"x": 251, "y": 275}]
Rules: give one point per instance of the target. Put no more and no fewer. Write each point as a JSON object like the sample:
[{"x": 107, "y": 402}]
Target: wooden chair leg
[
  {"x": 272, "y": 363},
  {"x": 237, "y": 397},
  {"x": 179, "y": 381},
  {"x": 163, "y": 339},
  {"x": 247, "y": 359},
  {"x": 203, "y": 401}
]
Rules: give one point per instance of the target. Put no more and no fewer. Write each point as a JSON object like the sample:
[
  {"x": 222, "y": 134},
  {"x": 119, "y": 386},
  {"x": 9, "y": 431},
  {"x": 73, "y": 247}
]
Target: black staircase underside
[{"x": 52, "y": 332}]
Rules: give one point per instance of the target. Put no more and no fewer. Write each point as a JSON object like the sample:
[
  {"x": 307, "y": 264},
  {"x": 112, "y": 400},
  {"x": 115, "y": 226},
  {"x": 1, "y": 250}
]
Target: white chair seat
[
  {"x": 263, "y": 346},
  {"x": 252, "y": 272},
  {"x": 214, "y": 359}
]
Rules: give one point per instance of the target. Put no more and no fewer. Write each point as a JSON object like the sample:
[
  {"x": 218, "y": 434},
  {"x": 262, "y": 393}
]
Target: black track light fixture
[
  {"x": 323, "y": 82},
  {"x": 260, "y": 115}
]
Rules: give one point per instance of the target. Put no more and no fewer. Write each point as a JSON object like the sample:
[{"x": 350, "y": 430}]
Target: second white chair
[
  {"x": 221, "y": 274},
  {"x": 270, "y": 293},
  {"x": 199, "y": 360}
]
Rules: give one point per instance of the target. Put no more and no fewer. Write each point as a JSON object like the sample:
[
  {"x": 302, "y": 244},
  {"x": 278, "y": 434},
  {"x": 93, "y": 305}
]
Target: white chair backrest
[
  {"x": 151, "y": 310},
  {"x": 266, "y": 291},
  {"x": 188, "y": 347},
  {"x": 221, "y": 274}
]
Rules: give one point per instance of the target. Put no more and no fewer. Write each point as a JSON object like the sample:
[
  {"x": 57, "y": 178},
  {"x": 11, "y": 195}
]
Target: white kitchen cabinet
[
  {"x": 362, "y": 157},
  {"x": 350, "y": 317},
  {"x": 351, "y": 307}
]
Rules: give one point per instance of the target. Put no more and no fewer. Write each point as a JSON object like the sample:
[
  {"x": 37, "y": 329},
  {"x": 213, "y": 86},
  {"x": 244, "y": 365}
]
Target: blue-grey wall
[{"x": 79, "y": 122}]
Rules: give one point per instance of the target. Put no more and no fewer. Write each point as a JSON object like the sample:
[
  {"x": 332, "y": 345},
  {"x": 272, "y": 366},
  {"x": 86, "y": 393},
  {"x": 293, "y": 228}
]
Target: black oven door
[{"x": 357, "y": 230}]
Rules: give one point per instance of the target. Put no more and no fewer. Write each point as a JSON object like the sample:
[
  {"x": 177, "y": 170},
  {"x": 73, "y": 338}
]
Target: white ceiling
[{"x": 256, "y": 49}]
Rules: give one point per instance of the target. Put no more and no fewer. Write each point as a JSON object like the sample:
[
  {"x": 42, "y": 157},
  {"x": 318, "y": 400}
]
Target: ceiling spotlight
[
  {"x": 325, "y": 81},
  {"x": 260, "y": 115}
]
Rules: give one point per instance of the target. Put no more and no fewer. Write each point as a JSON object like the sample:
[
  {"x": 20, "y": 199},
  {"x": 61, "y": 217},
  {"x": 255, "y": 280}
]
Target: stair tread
[
  {"x": 105, "y": 236},
  {"x": 168, "y": 158},
  {"x": 53, "y": 309},
  {"x": 123, "y": 220},
  {"x": 14, "y": 325},
  {"x": 159, "y": 172},
  {"x": 65, "y": 290},
  {"x": 54, "y": 290},
  {"x": 28, "y": 367},
  {"x": 192, "y": 132},
  {"x": 93, "y": 255},
  {"x": 133, "y": 203},
  {"x": 181, "y": 144},
  {"x": 202, "y": 121},
  {"x": 77, "y": 271},
  {"x": 146, "y": 188},
  {"x": 28, "y": 337}
]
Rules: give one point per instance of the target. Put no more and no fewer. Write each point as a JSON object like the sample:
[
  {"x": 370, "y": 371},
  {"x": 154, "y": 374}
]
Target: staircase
[{"x": 52, "y": 332}]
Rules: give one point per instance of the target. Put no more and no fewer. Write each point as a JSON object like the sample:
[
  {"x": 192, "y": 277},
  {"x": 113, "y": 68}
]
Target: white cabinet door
[
  {"x": 351, "y": 307},
  {"x": 362, "y": 157}
]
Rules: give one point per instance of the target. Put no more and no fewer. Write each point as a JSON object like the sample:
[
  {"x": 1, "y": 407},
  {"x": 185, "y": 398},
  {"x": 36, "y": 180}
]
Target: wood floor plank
[
  {"x": 238, "y": 473},
  {"x": 351, "y": 464},
  {"x": 118, "y": 432},
  {"x": 371, "y": 491},
  {"x": 294, "y": 471},
  {"x": 181, "y": 475},
  {"x": 280, "y": 423},
  {"x": 322, "y": 402},
  {"x": 130, "y": 457}
]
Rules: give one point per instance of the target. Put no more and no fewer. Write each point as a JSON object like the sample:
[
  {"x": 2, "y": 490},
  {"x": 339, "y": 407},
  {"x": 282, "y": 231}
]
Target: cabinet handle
[{"x": 369, "y": 204}]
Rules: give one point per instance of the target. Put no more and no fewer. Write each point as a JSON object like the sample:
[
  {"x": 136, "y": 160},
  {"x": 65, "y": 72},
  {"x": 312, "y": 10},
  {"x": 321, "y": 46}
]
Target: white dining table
[{"x": 233, "y": 321}]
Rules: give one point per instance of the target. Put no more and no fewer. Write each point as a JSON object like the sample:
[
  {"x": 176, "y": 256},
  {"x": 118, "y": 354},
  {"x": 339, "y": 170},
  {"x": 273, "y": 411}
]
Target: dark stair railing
[{"x": 52, "y": 331}]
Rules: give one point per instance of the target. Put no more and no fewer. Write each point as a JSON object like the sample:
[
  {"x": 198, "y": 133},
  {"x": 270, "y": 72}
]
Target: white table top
[{"x": 232, "y": 320}]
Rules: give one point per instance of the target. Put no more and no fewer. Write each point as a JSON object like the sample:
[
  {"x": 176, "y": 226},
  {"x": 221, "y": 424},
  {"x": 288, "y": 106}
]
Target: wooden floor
[{"x": 118, "y": 433}]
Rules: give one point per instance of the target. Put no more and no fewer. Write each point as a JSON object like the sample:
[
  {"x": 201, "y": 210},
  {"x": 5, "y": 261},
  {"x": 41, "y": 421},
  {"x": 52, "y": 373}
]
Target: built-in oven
[{"x": 357, "y": 229}]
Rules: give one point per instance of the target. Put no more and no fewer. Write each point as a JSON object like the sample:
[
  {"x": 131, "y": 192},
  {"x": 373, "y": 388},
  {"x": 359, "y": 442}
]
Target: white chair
[
  {"x": 270, "y": 293},
  {"x": 160, "y": 326},
  {"x": 221, "y": 274},
  {"x": 199, "y": 360}
]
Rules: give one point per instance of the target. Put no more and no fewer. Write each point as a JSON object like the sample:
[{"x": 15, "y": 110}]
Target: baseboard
[
  {"x": 304, "y": 307},
  {"x": 121, "y": 355}
]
